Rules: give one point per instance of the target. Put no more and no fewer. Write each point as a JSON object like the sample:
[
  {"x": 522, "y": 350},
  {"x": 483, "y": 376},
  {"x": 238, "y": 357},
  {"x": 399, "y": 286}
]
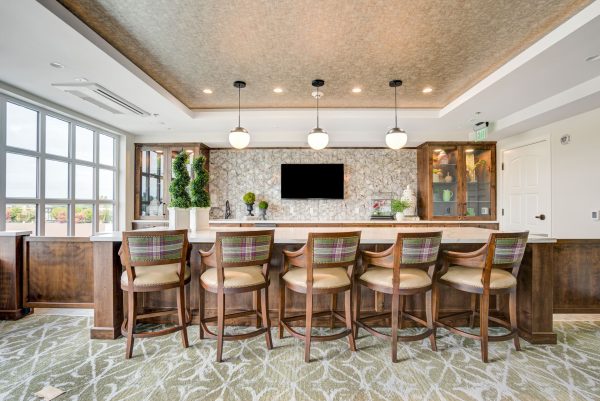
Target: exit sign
[{"x": 481, "y": 134}]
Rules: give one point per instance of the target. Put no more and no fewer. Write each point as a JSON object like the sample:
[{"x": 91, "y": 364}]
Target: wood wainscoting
[
  {"x": 577, "y": 276},
  {"x": 11, "y": 277},
  {"x": 58, "y": 272}
]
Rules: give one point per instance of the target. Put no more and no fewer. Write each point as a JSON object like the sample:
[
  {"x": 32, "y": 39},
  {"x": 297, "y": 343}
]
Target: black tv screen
[{"x": 312, "y": 181}]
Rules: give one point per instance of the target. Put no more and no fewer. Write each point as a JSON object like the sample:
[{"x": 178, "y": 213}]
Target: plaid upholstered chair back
[
  {"x": 419, "y": 248},
  {"x": 333, "y": 249},
  {"x": 149, "y": 248},
  {"x": 248, "y": 248},
  {"x": 507, "y": 249}
]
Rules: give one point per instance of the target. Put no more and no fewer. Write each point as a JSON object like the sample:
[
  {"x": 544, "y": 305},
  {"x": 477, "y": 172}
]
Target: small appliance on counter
[{"x": 381, "y": 206}]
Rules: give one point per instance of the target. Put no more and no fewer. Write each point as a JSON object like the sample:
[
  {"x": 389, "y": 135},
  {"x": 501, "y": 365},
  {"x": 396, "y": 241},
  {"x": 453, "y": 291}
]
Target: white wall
[{"x": 575, "y": 172}]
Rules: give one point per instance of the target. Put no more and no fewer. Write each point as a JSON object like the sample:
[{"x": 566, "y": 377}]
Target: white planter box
[
  {"x": 399, "y": 216},
  {"x": 179, "y": 218},
  {"x": 199, "y": 218}
]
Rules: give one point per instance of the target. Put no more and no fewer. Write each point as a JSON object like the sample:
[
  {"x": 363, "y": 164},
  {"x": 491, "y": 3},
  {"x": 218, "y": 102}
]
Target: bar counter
[{"x": 534, "y": 281}]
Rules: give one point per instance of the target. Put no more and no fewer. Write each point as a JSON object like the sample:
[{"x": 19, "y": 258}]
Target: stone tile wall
[{"x": 367, "y": 172}]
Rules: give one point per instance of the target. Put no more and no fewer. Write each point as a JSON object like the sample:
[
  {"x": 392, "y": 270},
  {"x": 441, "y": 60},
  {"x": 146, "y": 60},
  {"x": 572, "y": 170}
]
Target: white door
[{"x": 526, "y": 189}]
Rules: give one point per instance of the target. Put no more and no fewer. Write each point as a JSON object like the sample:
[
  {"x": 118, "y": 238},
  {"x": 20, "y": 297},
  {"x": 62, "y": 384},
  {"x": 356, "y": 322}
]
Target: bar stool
[
  {"x": 324, "y": 265},
  {"x": 154, "y": 261},
  {"x": 238, "y": 262},
  {"x": 490, "y": 270},
  {"x": 399, "y": 271}
]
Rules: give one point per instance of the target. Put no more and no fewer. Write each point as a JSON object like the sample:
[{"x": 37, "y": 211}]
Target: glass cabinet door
[
  {"x": 152, "y": 189},
  {"x": 477, "y": 182},
  {"x": 445, "y": 182}
]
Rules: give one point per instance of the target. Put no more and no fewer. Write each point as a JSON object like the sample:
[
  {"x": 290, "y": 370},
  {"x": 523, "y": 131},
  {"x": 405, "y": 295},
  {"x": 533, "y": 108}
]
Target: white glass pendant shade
[
  {"x": 318, "y": 138},
  {"x": 396, "y": 138},
  {"x": 239, "y": 138}
]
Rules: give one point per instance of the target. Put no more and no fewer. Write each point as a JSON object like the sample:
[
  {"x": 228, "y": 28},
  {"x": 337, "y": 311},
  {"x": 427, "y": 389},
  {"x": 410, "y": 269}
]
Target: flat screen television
[{"x": 312, "y": 181}]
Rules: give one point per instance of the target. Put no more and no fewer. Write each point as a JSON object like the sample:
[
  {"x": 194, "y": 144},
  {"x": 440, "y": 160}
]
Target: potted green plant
[
  {"x": 249, "y": 199},
  {"x": 398, "y": 207},
  {"x": 179, "y": 215},
  {"x": 200, "y": 198},
  {"x": 262, "y": 209}
]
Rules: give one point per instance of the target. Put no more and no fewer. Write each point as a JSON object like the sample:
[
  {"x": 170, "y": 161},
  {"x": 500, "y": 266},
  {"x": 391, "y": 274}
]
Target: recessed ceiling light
[
  {"x": 595, "y": 57},
  {"x": 56, "y": 65},
  {"x": 356, "y": 90},
  {"x": 427, "y": 89},
  {"x": 277, "y": 90},
  {"x": 81, "y": 79},
  {"x": 207, "y": 91}
]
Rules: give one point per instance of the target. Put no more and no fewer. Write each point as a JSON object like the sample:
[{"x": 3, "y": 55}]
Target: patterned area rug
[{"x": 56, "y": 350}]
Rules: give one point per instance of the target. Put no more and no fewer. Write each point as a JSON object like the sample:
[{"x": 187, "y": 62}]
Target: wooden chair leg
[
  {"x": 484, "y": 304},
  {"x": 307, "y": 334},
  {"x": 429, "y": 314},
  {"x": 402, "y": 298},
  {"x": 131, "y": 322},
  {"x": 257, "y": 307},
  {"x": 266, "y": 322},
  {"x": 220, "y": 324},
  {"x": 181, "y": 314},
  {"x": 435, "y": 305},
  {"x": 512, "y": 310},
  {"x": 348, "y": 313},
  {"x": 394, "y": 333},
  {"x": 201, "y": 295},
  {"x": 473, "y": 310},
  {"x": 333, "y": 308},
  {"x": 357, "y": 290},
  {"x": 281, "y": 309}
]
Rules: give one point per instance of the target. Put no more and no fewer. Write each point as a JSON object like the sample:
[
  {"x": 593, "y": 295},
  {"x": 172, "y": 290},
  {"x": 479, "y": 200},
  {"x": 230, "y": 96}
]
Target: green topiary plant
[
  {"x": 249, "y": 198},
  {"x": 200, "y": 196},
  {"x": 263, "y": 205},
  {"x": 179, "y": 186},
  {"x": 398, "y": 205}
]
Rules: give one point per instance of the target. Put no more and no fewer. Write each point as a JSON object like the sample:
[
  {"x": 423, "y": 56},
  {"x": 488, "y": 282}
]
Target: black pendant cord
[
  {"x": 318, "y": 107},
  {"x": 396, "y": 106},
  {"x": 239, "y": 105}
]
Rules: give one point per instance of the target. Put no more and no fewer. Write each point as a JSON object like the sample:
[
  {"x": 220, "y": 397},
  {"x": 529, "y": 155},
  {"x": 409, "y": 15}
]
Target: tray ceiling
[{"x": 188, "y": 46}]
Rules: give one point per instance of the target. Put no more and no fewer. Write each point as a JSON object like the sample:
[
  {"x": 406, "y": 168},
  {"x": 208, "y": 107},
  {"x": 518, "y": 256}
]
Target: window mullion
[
  {"x": 3, "y": 163},
  {"x": 41, "y": 189}
]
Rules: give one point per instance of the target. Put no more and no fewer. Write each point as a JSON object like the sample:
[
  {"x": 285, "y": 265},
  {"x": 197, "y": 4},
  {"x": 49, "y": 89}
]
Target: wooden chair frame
[
  {"x": 303, "y": 258},
  {"x": 214, "y": 258},
  {"x": 391, "y": 258},
  {"x": 184, "y": 314},
  {"x": 481, "y": 259}
]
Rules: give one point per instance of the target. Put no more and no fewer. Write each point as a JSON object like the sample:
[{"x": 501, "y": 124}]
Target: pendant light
[
  {"x": 396, "y": 137},
  {"x": 317, "y": 137},
  {"x": 239, "y": 137}
]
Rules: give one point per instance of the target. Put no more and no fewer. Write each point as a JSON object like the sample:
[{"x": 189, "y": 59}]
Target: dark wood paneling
[
  {"x": 577, "y": 276},
  {"x": 108, "y": 296},
  {"x": 58, "y": 272},
  {"x": 11, "y": 278}
]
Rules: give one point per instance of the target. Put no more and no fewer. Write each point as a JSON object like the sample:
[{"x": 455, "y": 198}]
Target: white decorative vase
[
  {"x": 179, "y": 218},
  {"x": 409, "y": 196},
  {"x": 399, "y": 216},
  {"x": 199, "y": 217}
]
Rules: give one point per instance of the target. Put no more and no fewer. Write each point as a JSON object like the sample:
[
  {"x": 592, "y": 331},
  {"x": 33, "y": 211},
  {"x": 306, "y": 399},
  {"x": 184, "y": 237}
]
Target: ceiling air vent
[{"x": 102, "y": 97}]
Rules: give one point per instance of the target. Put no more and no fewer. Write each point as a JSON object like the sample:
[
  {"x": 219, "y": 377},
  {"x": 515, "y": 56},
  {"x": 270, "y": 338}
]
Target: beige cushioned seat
[
  {"x": 234, "y": 277},
  {"x": 471, "y": 276},
  {"x": 323, "y": 277},
  {"x": 155, "y": 275},
  {"x": 409, "y": 277}
]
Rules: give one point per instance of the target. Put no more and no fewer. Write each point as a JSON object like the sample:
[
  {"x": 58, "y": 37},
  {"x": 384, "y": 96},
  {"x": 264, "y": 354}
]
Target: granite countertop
[
  {"x": 370, "y": 235},
  {"x": 242, "y": 221}
]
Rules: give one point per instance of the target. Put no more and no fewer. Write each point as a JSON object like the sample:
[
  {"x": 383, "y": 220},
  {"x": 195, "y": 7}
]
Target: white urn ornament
[{"x": 409, "y": 196}]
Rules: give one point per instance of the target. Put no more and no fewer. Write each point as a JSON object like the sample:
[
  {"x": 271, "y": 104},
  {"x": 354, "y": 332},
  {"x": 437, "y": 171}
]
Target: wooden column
[
  {"x": 108, "y": 297},
  {"x": 11, "y": 276}
]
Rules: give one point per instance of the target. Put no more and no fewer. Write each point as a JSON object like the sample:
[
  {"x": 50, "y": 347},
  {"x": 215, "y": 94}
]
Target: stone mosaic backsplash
[{"x": 367, "y": 172}]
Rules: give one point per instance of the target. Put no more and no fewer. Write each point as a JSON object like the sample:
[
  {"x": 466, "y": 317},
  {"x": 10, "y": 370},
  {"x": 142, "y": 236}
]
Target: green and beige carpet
[{"x": 55, "y": 350}]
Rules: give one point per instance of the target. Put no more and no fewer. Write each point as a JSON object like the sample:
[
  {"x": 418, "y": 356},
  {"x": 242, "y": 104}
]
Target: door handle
[{"x": 541, "y": 217}]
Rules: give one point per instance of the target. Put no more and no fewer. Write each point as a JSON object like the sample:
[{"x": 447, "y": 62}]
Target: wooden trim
[{"x": 82, "y": 305}]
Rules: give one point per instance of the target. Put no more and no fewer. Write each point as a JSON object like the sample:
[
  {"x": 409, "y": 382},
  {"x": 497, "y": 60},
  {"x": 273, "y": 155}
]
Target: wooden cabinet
[
  {"x": 457, "y": 180},
  {"x": 153, "y": 173}
]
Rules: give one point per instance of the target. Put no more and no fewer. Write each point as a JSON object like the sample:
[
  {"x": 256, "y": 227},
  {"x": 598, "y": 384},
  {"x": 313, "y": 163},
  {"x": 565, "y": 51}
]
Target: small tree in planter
[
  {"x": 249, "y": 199},
  {"x": 199, "y": 213},
  {"x": 262, "y": 209},
  {"x": 179, "y": 216},
  {"x": 398, "y": 207}
]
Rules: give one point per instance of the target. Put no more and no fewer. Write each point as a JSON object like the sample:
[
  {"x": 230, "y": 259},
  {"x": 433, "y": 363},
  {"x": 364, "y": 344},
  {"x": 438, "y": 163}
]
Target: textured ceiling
[{"x": 190, "y": 45}]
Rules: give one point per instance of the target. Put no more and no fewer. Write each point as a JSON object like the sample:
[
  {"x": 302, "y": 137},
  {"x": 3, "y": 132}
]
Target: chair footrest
[
  {"x": 316, "y": 338},
  {"x": 379, "y": 334},
  {"x": 233, "y": 337}
]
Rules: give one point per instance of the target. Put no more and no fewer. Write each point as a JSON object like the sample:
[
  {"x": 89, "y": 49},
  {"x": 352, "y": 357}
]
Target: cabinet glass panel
[
  {"x": 478, "y": 181},
  {"x": 152, "y": 185},
  {"x": 445, "y": 188}
]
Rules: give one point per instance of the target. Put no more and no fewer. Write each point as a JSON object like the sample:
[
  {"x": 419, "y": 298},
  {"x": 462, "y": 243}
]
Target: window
[{"x": 58, "y": 176}]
